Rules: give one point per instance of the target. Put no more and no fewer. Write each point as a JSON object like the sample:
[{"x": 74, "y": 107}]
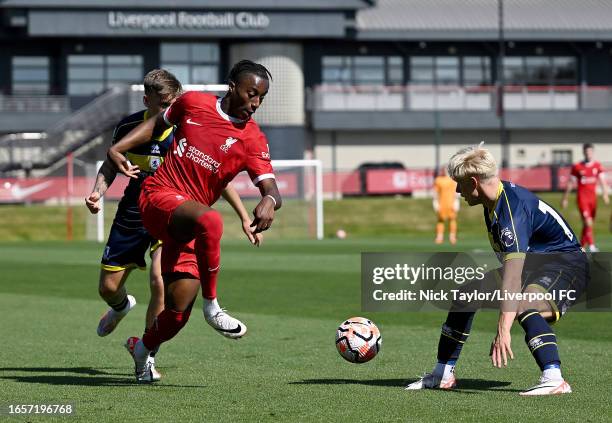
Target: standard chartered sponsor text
[{"x": 202, "y": 159}]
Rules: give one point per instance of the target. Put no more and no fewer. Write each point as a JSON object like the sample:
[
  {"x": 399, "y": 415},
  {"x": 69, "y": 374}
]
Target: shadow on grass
[
  {"x": 82, "y": 376},
  {"x": 464, "y": 385}
]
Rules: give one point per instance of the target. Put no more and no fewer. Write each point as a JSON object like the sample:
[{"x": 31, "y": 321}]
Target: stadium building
[{"x": 355, "y": 81}]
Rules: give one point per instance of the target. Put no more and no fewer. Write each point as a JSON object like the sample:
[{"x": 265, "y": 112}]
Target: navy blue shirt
[
  {"x": 520, "y": 223},
  {"x": 148, "y": 157}
]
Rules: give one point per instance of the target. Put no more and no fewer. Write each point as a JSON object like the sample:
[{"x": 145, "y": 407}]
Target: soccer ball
[{"x": 358, "y": 340}]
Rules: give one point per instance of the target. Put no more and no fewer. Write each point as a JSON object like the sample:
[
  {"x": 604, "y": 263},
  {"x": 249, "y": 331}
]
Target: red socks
[
  {"x": 587, "y": 236},
  {"x": 208, "y": 234},
  {"x": 167, "y": 324}
]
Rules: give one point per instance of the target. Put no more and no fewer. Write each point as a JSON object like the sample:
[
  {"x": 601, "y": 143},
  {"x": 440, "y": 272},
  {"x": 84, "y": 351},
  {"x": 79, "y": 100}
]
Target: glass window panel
[
  {"x": 31, "y": 61},
  {"x": 124, "y": 60},
  {"x": 369, "y": 75},
  {"x": 85, "y": 73},
  {"x": 377, "y": 61},
  {"x": 396, "y": 61},
  {"x": 472, "y": 61},
  {"x": 336, "y": 74},
  {"x": 537, "y": 70},
  {"x": 83, "y": 59},
  {"x": 395, "y": 70},
  {"x": 204, "y": 52},
  {"x": 476, "y": 70},
  {"x": 30, "y": 88},
  {"x": 422, "y": 61},
  {"x": 180, "y": 71},
  {"x": 332, "y": 61},
  {"x": 208, "y": 74},
  {"x": 175, "y": 52},
  {"x": 447, "y": 61},
  {"x": 85, "y": 88},
  {"x": 421, "y": 74},
  {"x": 30, "y": 74},
  {"x": 124, "y": 73},
  {"x": 396, "y": 75},
  {"x": 514, "y": 73},
  {"x": 564, "y": 71},
  {"x": 447, "y": 75}
]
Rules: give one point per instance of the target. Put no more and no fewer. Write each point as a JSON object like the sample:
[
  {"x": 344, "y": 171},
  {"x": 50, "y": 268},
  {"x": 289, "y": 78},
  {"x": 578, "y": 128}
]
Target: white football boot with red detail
[
  {"x": 111, "y": 318},
  {"x": 548, "y": 387},
  {"x": 144, "y": 364},
  {"x": 433, "y": 381}
]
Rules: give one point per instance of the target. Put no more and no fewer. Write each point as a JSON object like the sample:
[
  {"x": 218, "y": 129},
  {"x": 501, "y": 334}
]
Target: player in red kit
[
  {"x": 215, "y": 140},
  {"x": 585, "y": 175}
]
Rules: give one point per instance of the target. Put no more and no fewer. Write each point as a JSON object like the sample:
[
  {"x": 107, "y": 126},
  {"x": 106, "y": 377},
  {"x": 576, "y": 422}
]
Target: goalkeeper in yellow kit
[{"x": 446, "y": 205}]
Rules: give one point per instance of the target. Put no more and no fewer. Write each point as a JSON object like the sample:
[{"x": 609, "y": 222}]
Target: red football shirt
[
  {"x": 210, "y": 148},
  {"x": 587, "y": 175}
]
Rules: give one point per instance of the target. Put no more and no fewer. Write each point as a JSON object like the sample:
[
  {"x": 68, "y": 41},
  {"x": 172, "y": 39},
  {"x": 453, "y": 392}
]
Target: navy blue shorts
[
  {"x": 126, "y": 248},
  {"x": 564, "y": 274}
]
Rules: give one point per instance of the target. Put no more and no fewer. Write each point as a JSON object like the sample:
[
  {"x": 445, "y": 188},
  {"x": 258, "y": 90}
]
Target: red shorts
[
  {"x": 156, "y": 207},
  {"x": 587, "y": 206}
]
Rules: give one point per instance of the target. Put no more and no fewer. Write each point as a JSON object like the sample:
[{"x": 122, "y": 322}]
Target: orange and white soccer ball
[{"x": 358, "y": 340}]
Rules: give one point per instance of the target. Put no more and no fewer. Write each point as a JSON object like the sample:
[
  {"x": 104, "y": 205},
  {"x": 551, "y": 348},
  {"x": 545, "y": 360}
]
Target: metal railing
[
  {"x": 22, "y": 151},
  {"x": 35, "y": 103},
  {"x": 450, "y": 97}
]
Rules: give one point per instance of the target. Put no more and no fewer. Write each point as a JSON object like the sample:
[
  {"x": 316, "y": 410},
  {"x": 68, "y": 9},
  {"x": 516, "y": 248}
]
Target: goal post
[
  {"x": 316, "y": 190},
  {"x": 300, "y": 184}
]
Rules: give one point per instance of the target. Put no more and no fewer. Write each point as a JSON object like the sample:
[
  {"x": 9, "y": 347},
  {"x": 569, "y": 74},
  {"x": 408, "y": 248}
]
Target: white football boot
[
  {"x": 111, "y": 318},
  {"x": 225, "y": 324},
  {"x": 129, "y": 345},
  {"x": 142, "y": 361},
  {"x": 433, "y": 381},
  {"x": 548, "y": 387}
]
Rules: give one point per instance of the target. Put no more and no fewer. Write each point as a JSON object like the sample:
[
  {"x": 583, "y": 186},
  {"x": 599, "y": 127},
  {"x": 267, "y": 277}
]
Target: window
[
  {"x": 30, "y": 75},
  {"x": 537, "y": 70},
  {"x": 92, "y": 74},
  {"x": 476, "y": 70},
  {"x": 363, "y": 70},
  {"x": 422, "y": 70},
  {"x": 369, "y": 70},
  {"x": 540, "y": 70},
  {"x": 564, "y": 71},
  {"x": 192, "y": 63},
  {"x": 562, "y": 157},
  {"x": 435, "y": 70}
]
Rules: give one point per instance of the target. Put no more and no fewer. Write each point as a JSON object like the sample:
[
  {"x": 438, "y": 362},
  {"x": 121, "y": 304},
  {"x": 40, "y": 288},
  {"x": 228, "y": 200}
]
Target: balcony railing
[
  {"x": 35, "y": 103},
  {"x": 448, "y": 97}
]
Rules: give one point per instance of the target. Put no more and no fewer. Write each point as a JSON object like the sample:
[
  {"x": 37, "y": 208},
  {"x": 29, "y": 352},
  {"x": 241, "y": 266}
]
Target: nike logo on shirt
[{"x": 189, "y": 121}]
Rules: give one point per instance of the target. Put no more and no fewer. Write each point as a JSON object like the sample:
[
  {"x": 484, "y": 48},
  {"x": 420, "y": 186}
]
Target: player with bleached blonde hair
[{"x": 518, "y": 223}]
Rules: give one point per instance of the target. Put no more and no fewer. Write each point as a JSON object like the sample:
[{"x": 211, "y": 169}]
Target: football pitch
[{"x": 292, "y": 295}]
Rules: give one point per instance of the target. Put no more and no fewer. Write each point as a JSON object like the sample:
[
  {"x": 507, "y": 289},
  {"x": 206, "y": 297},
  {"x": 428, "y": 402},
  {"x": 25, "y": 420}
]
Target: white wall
[
  {"x": 284, "y": 104},
  {"x": 416, "y": 149}
]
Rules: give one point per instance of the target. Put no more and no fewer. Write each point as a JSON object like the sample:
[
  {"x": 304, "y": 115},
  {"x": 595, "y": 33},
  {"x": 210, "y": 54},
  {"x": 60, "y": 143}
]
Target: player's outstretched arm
[
  {"x": 501, "y": 347},
  {"x": 232, "y": 197},
  {"x": 137, "y": 136},
  {"x": 270, "y": 202},
  {"x": 104, "y": 179}
]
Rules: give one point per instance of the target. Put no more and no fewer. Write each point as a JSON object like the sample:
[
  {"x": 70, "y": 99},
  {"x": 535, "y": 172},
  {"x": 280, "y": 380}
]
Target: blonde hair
[{"x": 472, "y": 161}]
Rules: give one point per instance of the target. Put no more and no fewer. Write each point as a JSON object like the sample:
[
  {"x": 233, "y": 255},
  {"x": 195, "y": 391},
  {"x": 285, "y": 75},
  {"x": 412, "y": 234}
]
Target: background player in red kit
[
  {"x": 215, "y": 140},
  {"x": 585, "y": 175}
]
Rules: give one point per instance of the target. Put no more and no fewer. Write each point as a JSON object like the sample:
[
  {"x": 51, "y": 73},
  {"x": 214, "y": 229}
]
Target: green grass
[
  {"x": 359, "y": 217},
  {"x": 292, "y": 294}
]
